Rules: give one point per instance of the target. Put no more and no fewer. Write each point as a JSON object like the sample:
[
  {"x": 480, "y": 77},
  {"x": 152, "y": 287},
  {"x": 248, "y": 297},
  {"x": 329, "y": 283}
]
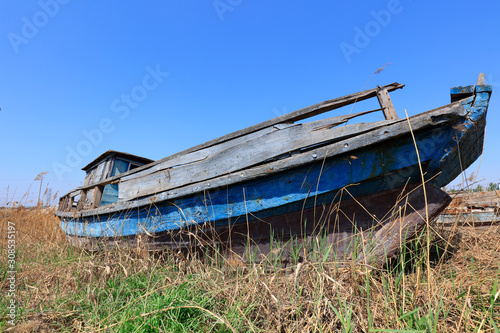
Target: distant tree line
[
  {"x": 489, "y": 187},
  {"x": 479, "y": 188}
]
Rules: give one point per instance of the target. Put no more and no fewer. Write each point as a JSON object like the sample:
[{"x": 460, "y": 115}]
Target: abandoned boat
[
  {"x": 472, "y": 209},
  {"x": 285, "y": 178}
]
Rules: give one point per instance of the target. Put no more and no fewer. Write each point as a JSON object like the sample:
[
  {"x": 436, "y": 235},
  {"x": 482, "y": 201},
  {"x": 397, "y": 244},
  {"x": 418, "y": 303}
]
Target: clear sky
[{"x": 153, "y": 78}]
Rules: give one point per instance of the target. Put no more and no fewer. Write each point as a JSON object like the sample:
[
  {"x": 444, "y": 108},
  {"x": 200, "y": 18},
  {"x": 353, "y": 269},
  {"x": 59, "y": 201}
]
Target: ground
[{"x": 446, "y": 281}]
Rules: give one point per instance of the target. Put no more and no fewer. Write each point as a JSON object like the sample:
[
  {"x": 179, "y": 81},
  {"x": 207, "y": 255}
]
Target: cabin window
[
  {"x": 110, "y": 193},
  {"x": 119, "y": 166}
]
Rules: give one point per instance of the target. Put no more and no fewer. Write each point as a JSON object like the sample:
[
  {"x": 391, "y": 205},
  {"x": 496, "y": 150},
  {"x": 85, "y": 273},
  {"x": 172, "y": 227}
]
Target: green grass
[
  {"x": 171, "y": 309},
  {"x": 452, "y": 287}
]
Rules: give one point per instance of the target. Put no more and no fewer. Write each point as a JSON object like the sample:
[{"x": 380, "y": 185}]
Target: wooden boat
[
  {"x": 285, "y": 179},
  {"x": 472, "y": 208}
]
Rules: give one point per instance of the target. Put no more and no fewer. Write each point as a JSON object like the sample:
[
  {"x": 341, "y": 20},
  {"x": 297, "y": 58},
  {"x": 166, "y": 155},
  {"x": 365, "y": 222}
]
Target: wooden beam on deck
[
  {"x": 97, "y": 196},
  {"x": 81, "y": 202},
  {"x": 386, "y": 104}
]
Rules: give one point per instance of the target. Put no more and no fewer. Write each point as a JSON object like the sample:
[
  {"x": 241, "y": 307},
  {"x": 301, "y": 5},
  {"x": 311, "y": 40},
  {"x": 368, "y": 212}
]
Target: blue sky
[{"x": 81, "y": 77}]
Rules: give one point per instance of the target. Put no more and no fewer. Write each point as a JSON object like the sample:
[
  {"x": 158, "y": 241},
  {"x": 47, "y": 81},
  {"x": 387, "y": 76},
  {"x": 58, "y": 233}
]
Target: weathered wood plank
[
  {"x": 240, "y": 157},
  {"x": 179, "y": 159},
  {"x": 476, "y": 200},
  {"x": 62, "y": 203},
  {"x": 83, "y": 198},
  {"x": 457, "y": 93},
  {"x": 98, "y": 190},
  {"x": 203, "y": 154},
  {"x": 263, "y": 135},
  {"x": 70, "y": 204},
  {"x": 98, "y": 173},
  {"x": 386, "y": 103},
  {"x": 480, "y": 79},
  {"x": 89, "y": 201}
]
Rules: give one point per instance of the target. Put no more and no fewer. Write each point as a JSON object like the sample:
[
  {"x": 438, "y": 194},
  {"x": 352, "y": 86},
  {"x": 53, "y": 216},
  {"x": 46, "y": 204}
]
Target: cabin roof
[{"x": 109, "y": 153}]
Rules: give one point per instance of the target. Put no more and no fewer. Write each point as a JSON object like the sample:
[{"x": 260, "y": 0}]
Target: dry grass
[{"x": 60, "y": 288}]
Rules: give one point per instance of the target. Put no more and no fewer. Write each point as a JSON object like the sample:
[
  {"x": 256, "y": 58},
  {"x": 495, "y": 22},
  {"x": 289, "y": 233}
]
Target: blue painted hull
[
  {"x": 373, "y": 169},
  {"x": 444, "y": 150}
]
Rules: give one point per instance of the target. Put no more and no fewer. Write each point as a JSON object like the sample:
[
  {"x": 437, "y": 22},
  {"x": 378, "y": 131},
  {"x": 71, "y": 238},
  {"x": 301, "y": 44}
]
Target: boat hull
[
  {"x": 367, "y": 228},
  {"x": 433, "y": 147},
  {"x": 372, "y": 170}
]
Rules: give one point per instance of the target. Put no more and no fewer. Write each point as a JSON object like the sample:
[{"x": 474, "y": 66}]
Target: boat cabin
[{"x": 110, "y": 164}]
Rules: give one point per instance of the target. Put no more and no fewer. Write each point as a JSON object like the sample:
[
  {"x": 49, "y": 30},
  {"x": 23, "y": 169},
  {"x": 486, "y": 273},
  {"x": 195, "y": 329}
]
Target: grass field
[{"x": 450, "y": 286}]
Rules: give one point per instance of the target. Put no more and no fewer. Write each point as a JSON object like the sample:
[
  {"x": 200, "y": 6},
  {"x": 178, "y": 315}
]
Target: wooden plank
[
  {"x": 70, "y": 203},
  {"x": 386, "y": 103},
  {"x": 264, "y": 136},
  {"x": 98, "y": 173},
  {"x": 179, "y": 160},
  {"x": 460, "y": 92},
  {"x": 97, "y": 196},
  {"x": 346, "y": 146},
  {"x": 476, "y": 200},
  {"x": 469, "y": 218},
  {"x": 81, "y": 202},
  {"x": 457, "y": 93},
  {"x": 62, "y": 203},
  {"x": 484, "y": 88},
  {"x": 248, "y": 154},
  {"x": 203, "y": 154},
  {"x": 90, "y": 198},
  {"x": 480, "y": 79}
]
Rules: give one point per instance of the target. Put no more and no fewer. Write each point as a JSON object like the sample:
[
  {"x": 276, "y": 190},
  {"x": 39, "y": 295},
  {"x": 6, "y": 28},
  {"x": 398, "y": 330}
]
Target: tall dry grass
[{"x": 60, "y": 288}]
